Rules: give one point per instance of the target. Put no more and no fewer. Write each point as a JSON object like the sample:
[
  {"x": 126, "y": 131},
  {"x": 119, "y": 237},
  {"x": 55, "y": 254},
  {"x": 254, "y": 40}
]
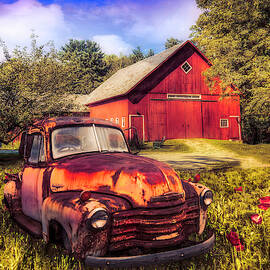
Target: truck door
[{"x": 33, "y": 176}]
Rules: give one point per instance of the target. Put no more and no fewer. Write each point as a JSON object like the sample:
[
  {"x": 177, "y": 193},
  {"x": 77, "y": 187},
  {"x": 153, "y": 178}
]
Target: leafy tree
[
  {"x": 235, "y": 35},
  {"x": 32, "y": 84},
  {"x": 150, "y": 53},
  {"x": 170, "y": 42},
  {"x": 137, "y": 54},
  {"x": 88, "y": 63},
  {"x": 116, "y": 62}
]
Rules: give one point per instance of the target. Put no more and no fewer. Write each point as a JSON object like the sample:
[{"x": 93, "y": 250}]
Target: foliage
[
  {"x": 118, "y": 62},
  {"x": 32, "y": 84},
  {"x": 137, "y": 54},
  {"x": 150, "y": 53},
  {"x": 235, "y": 35},
  {"x": 170, "y": 42},
  {"x": 87, "y": 62}
]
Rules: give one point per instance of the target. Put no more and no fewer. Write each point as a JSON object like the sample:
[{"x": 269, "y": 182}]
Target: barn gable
[{"x": 135, "y": 81}]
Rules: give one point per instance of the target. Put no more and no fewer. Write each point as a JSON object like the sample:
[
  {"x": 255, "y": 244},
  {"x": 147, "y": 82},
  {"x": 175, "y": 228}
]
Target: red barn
[{"x": 166, "y": 96}]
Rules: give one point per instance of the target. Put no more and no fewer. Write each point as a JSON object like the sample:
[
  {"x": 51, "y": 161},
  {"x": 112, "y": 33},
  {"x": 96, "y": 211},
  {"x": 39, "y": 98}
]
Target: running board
[{"x": 32, "y": 226}]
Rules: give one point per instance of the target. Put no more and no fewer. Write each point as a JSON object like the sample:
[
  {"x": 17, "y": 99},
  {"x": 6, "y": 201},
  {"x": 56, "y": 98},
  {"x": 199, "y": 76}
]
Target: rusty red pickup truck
[{"x": 82, "y": 187}]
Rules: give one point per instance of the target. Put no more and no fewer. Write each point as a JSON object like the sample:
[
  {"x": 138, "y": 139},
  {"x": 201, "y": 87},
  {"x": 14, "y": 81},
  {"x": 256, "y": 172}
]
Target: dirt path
[{"x": 205, "y": 155}]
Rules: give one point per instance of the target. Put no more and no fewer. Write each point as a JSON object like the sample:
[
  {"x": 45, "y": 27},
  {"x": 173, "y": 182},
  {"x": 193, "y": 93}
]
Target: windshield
[{"x": 74, "y": 140}]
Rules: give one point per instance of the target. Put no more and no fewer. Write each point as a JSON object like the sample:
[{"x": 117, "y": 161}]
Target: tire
[{"x": 66, "y": 242}]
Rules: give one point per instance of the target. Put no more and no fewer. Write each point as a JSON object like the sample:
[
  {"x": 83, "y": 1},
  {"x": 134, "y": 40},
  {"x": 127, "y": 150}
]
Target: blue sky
[{"x": 117, "y": 25}]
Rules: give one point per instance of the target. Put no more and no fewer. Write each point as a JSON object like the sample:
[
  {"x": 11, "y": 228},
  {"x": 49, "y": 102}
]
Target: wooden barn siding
[
  {"x": 213, "y": 110},
  {"x": 159, "y": 74},
  {"x": 178, "y": 82},
  {"x": 141, "y": 108},
  {"x": 113, "y": 109}
]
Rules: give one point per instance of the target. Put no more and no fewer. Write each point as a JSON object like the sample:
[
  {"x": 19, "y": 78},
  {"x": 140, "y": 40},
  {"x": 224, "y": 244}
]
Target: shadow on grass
[{"x": 203, "y": 162}]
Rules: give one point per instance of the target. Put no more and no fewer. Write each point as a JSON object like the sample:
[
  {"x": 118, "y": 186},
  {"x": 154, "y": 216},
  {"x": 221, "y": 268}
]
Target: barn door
[
  {"x": 234, "y": 125},
  {"x": 211, "y": 118},
  {"x": 136, "y": 123},
  {"x": 158, "y": 122},
  {"x": 184, "y": 119}
]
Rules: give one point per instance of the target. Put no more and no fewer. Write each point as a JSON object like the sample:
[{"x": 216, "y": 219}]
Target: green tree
[
  {"x": 87, "y": 60},
  {"x": 137, "y": 54},
  {"x": 116, "y": 62},
  {"x": 32, "y": 84},
  {"x": 235, "y": 35},
  {"x": 170, "y": 42},
  {"x": 150, "y": 53}
]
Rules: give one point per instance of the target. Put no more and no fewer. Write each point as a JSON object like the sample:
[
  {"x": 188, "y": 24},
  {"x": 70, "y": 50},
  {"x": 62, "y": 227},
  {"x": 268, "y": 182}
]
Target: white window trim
[
  {"x": 221, "y": 119},
  {"x": 184, "y": 96},
  {"x": 111, "y": 120},
  {"x": 117, "y": 120},
  {"x": 189, "y": 65}
]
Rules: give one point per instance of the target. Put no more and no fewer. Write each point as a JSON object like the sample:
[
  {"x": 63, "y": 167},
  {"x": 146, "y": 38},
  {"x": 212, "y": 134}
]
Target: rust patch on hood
[{"x": 136, "y": 178}]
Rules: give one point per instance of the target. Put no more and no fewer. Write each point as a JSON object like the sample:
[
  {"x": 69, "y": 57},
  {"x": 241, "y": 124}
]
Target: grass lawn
[
  {"x": 258, "y": 151},
  {"x": 230, "y": 211},
  {"x": 176, "y": 145}
]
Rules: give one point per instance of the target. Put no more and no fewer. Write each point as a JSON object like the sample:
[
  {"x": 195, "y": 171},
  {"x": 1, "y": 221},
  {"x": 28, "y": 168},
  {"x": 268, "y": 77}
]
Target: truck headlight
[
  {"x": 98, "y": 220},
  {"x": 207, "y": 197}
]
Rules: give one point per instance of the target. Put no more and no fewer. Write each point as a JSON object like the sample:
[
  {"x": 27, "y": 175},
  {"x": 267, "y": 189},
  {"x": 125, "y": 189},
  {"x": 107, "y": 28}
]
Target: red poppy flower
[
  {"x": 197, "y": 178},
  {"x": 255, "y": 218},
  {"x": 189, "y": 180},
  {"x": 233, "y": 238},
  {"x": 238, "y": 189},
  {"x": 264, "y": 203}
]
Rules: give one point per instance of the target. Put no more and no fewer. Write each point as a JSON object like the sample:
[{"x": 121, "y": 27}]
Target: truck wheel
[
  {"x": 66, "y": 241},
  {"x": 5, "y": 203}
]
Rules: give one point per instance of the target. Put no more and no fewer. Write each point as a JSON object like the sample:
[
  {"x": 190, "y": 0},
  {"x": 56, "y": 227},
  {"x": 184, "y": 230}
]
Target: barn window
[
  {"x": 183, "y": 96},
  {"x": 123, "y": 122},
  {"x": 117, "y": 121},
  {"x": 186, "y": 67},
  {"x": 224, "y": 123}
]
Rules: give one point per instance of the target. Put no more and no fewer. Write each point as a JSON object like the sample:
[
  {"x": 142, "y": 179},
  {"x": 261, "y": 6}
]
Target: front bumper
[{"x": 155, "y": 258}]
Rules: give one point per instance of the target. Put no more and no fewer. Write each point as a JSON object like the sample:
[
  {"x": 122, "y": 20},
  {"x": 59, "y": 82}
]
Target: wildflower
[
  {"x": 255, "y": 218},
  {"x": 197, "y": 178},
  {"x": 264, "y": 203},
  {"x": 233, "y": 238},
  {"x": 238, "y": 189}
]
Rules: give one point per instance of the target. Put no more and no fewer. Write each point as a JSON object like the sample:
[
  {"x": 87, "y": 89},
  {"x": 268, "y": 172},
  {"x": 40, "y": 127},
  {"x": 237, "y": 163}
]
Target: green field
[{"x": 230, "y": 210}]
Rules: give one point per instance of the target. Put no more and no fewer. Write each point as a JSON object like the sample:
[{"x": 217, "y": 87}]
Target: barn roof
[{"x": 124, "y": 80}]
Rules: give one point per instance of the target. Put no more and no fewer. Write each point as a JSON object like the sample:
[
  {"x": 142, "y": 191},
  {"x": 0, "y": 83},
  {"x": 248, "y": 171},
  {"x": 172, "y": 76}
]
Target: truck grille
[{"x": 154, "y": 228}]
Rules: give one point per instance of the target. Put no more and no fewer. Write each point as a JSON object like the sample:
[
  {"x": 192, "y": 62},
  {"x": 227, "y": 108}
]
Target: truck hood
[{"x": 138, "y": 179}]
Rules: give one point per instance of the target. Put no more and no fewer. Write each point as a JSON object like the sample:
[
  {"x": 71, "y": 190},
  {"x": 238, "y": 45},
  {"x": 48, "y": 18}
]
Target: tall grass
[{"x": 229, "y": 211}]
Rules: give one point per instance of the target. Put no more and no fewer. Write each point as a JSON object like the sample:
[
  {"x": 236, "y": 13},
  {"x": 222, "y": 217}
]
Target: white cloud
[
  {"x": 169, "y": 19},
  {"x": 20, "y": 18},
  {"x": 112, "y": 44},
  {"x": 151, "y": 21}
]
